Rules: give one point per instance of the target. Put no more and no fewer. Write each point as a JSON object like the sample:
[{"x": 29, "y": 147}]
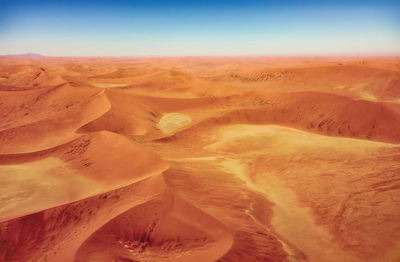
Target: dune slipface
[{"x": 200, "y": 159}]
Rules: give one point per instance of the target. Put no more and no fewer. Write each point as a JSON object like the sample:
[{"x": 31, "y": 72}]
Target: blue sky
[{"x": 205, "y": 28}]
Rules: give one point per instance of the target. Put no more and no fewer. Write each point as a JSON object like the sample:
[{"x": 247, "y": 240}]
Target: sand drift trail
[{"x": 200, "y": 159}]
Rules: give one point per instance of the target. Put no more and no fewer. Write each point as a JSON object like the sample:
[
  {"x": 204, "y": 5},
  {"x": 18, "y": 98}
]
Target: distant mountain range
[{"x": 24, "y": 55}]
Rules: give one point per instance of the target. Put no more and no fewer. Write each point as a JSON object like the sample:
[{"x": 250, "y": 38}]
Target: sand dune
[
  {"x": 163, "y": 229},
  {"x": 200, "y": 159},
  {"x": 261, "y": 143},
  {"x": 52, "y": 131},
  {"x": 37, "y": 185},
  {"x": 316, "y": 112}
]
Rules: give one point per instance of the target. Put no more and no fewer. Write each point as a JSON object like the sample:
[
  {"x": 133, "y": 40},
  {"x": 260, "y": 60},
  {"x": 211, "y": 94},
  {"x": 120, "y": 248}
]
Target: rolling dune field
[{"x": 200, "y": 159}]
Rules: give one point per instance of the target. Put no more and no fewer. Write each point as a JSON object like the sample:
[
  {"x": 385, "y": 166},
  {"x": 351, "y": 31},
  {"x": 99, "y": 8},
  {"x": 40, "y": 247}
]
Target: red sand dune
[{"x": 200, "y": 159}]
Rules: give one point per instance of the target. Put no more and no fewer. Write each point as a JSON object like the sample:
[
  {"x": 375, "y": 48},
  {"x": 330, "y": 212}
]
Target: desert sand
[{"x": 198, "y": 159}]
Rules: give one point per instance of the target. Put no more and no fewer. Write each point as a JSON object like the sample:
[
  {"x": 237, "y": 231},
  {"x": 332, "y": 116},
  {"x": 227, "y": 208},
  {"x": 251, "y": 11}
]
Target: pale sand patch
[
  {"x": 291, "y": 220},
  {"x": 397, "y": 101},
  {"x": 193, "y": 159},
  {"x": 105, "y": 85},
  {"x": 365, "y": 95},
  {"x": 274, "y": 139},
  {"x": 38, "y": 185},
  {"x": 172, "y": 121},
  {"x": 358, "y": 89},
  {"x": 340, "y": 87},
  {"x": 240, "y": 170}
]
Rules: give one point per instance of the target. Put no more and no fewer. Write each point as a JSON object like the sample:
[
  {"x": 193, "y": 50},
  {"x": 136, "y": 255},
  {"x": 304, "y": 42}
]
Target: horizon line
[{"x": 34, "y": 55}]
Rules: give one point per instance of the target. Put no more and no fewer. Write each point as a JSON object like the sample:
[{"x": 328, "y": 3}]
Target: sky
[{"x": 200, "y": 28}]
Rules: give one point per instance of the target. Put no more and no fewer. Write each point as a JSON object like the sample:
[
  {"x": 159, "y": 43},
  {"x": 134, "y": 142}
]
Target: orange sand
[{"x": 200, "y": 159}]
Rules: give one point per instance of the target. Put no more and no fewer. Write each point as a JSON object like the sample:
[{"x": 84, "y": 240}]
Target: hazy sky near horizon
[{"x": 209, "y": 28}]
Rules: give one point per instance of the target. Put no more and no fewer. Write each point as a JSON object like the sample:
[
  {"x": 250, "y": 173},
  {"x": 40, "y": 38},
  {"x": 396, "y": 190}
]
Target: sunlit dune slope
[
  {"x": 316, "y": 112},
  {"x": 74, "y": 170},
  {"x": 38, "y": 120},
  {"x": 56, "y": 234},
  {"x": 200, "y": 159},
  {"x": 163, "y": 229}
]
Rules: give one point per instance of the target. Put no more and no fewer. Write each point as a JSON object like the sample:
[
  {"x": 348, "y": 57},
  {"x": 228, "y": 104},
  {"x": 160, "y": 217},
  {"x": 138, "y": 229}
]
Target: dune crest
[{"x": 200, "y": 159}]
